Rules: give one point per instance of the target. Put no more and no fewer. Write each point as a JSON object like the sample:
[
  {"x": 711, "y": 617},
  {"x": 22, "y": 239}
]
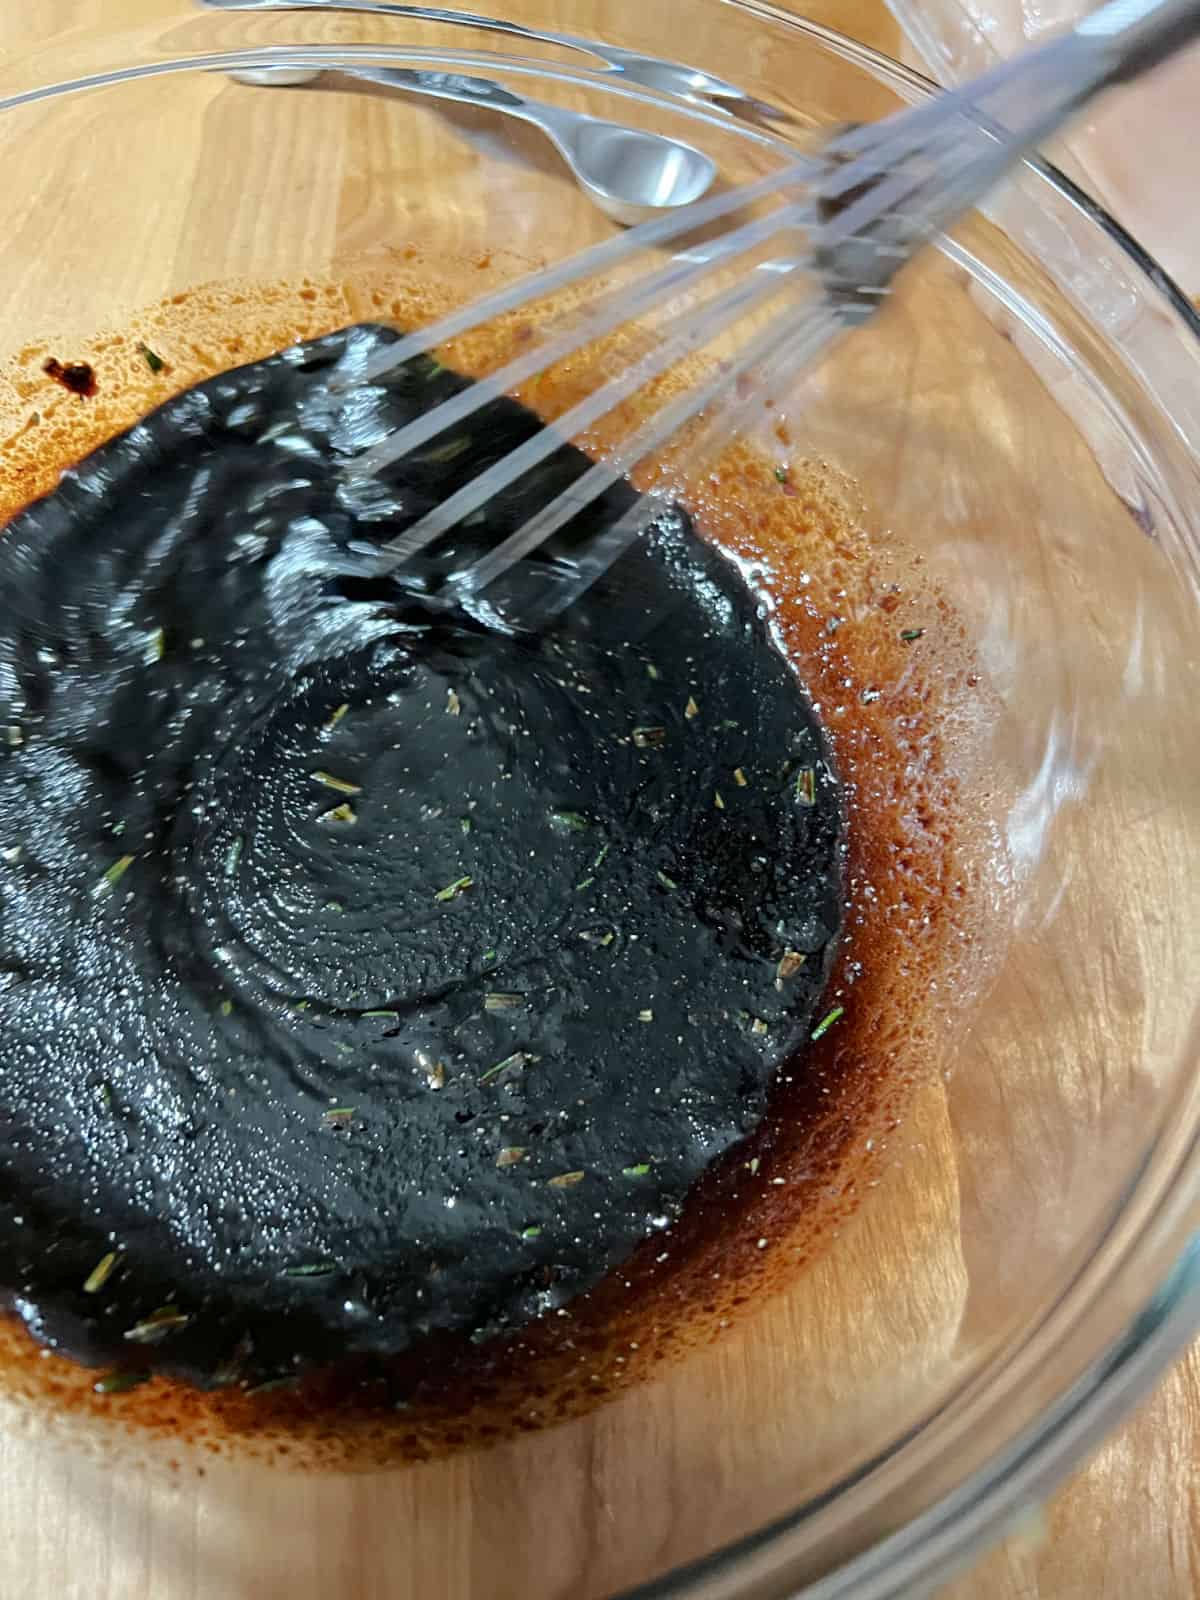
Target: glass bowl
[{"x": 1003, "y": 1261}]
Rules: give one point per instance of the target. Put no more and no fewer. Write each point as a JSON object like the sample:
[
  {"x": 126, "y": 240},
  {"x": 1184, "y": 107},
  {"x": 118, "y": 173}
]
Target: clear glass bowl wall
[{"x": 1025, "y": 421}]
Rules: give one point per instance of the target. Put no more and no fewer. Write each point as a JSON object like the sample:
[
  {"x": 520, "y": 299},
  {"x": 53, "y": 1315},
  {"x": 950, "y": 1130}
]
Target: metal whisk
[{"x": 821, "y": 246}]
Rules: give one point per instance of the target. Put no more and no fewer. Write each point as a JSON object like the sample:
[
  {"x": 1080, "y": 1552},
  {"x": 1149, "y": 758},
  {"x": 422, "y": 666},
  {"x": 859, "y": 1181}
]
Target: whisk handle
[{"x": 1140, "y": 34}]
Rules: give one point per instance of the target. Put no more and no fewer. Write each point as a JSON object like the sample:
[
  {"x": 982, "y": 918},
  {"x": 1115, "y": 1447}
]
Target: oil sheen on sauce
[{"x": 383, "y": 993}]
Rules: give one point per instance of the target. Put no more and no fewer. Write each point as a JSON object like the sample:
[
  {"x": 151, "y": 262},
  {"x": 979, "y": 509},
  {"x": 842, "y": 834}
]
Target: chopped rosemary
[
  {"x": 806, "y": 786},
  {"x": 790, "y": 963},
  {"x": 449, "y": 450},
  {"x": 106, "y": 884},
  {"x": 120, "y": 1382},
  {"x": 530, "y": 1233},
  {"x": 338, "y": 1117},
  {"x": 584, "y": 883},
  {"x": 519, "y": 1058},
  {"x": 494, "y": 1001},
  {"x": 337, "y": 716},
  {"x": 566, "y": 1180},
  {"x": 233, "y": 855},
  {"x": 167, "y": 1319},
  {"x": 740, "y": 778},
  {"x": 667, "y": 883},
  {"x": 331, "y": 781},
  {"x": 343, "y": 813},
  {"x": 691, "y": 709},
  {"x": 827, "y": 1022},
  {"x": 648, "y": 738},
  {"x": 646, "y": 1015},
  {"x": 638, "y": 1171},
  {"x": 453, "y": 704},
  {"x": 101, "y": 1272},
  {"x": 570, "y": 821},
  {"x": 311, "y": 1269},
  {"x": 152, "y": 359},
  {"x": 385, "y": 1014},
  {"x": 453, "y": 890},
  {"x": 909, "y": 634},
  {"x": 509, "y": 1156},
  {"x": 599, "y": 861}
]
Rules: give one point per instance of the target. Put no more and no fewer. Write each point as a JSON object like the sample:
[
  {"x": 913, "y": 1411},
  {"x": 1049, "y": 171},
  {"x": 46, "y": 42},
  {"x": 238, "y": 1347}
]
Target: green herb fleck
[
  {"x": 112, "y": 877},
  {"x": 531, "y": 1233},
  {"x": 566, "y": 1180},
  {"x": 233, "y": 855},
  {"x": 338, "y": 1117},
  {"x": 759, "y": 1026},
  {"x": 465, "y": 824},
  {"x": 729, "y": 724},
  {"x": 384, "y": 1015},
  {"x": 909, "y": 634},
  {"x": 646, "y": 1015},
  {"x": 156, "y": 647},
  {"x": 667, "y": 883},
  {"x": 157, "y": 1325},
  {"x": 648, "y": 738},
  {"x": 806, "y": 786},
  {"x": 311, "y": 1269},
  {"x": 494, "y": 1001},
  {"x": 334, "y": 905},
  {"x": 453, "y": 703},
  {"x": 651, "y": 670},
  {"x": 271, "y": 1386},
  {"x": 691, "y": 709},
  {"x": 740, "y": 778},
  {"x": 453, "y": 890},
  {"x": 489, "y": 955},
  {"x": 120, "y": 1382},
  {"x": 570, "y": 821},
  {"x": 342, "y": 785},
  {"x": 717, "y": 800},
  {"x": 781, "y": 474},
  {"x": 337, "y": 716},
  {"x": 584, "y": 883},
  {"x": 638, "y": 1171},
  {"x": 449, "y": 450},
  {"x": 827, "y": 1022},
  {"x": 518, "y": 1059},
  {"x": 343, "y": 813},
  {"x": 226, "y": 1008},
  {"x": 152, "y": 359},
  {"x": 101, "y": 1272},
  {"x": 118, "y": 827},
  {"x": 509, "y": 1156}
]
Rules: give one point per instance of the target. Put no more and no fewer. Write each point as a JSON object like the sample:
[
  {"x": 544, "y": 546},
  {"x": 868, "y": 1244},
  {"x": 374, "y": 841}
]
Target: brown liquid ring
[{"x": 887, "y": 663}]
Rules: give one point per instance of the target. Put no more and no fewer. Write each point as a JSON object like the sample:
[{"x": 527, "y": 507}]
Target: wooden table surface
[{"x": 1127, "y": 1523}]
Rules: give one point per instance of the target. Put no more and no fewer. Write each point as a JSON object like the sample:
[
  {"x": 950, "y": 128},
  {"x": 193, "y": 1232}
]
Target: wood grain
[{"x": 536, "y": 1516}]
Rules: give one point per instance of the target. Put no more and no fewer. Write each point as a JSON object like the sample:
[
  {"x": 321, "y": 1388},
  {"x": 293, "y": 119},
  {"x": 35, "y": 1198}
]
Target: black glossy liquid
[{"x": 365, "y": 974}]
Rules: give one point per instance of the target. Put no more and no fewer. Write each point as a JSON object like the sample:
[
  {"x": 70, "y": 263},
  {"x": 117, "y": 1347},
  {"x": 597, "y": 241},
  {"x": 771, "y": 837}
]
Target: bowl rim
[{"x": 1008, "y": 1487}]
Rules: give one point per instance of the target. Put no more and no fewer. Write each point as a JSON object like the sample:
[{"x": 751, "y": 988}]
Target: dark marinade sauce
[{"x": 366, "y": 974}]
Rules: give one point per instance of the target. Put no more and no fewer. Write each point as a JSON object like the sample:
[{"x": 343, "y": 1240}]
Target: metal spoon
[
  {"x": 654, "y": 72},
  {"x": 631, "y": 175}
]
